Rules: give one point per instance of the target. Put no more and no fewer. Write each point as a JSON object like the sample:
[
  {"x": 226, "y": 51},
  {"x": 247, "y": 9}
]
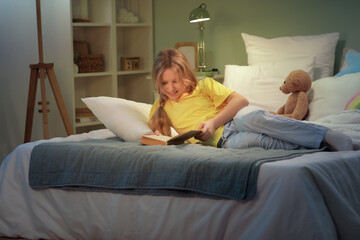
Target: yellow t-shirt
[{"x": 191, "y": 109}]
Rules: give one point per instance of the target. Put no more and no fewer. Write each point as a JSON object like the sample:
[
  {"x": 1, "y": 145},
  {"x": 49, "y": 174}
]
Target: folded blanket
[{"x": 129, "y": 167}]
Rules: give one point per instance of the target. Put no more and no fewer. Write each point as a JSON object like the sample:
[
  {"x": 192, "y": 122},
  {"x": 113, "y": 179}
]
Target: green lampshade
[{"x": 199, "y": 14}]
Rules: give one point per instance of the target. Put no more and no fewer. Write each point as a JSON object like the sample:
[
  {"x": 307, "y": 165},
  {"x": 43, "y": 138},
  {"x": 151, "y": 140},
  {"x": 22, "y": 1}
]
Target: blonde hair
[{"x": 175, "y": 60}]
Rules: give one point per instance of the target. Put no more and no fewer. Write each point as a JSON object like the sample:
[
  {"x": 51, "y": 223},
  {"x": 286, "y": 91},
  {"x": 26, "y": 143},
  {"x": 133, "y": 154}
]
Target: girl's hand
[
  {"x": 208, "y": 129},
  {"x": 156, "y": 132}
]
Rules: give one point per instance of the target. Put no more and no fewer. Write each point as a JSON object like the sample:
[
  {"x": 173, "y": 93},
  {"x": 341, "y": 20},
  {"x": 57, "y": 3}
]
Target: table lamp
[{"x": 200, "y": 15}]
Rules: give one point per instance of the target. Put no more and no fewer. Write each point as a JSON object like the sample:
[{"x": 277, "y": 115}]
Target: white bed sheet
[{"x": 316, "y": 196}]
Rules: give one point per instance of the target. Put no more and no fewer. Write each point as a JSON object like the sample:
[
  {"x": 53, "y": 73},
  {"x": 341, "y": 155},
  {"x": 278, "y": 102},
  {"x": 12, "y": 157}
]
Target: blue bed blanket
[{"x": 129, "y": 167}]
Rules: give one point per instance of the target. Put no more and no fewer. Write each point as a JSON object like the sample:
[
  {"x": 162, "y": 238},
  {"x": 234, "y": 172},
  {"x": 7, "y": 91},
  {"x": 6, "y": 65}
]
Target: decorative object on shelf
[
  {"x": 130, "y": 63},
  {"x": 40, "y": 71},
  {"x": 76, "y": 69},
  {"x": 127, "y": 11},
  {"x": 85, "y": 61},
  {"x": 189, "y": 49},
  {"x": 90, "y": 63},
  {"x": 81, "y": 48},
  {"x": 200, "y": 15}
]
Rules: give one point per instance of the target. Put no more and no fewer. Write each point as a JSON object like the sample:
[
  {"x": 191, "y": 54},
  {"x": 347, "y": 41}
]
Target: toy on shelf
[
  {"x": 127, "y": 11},
  {"x": 130, "y": 63}
]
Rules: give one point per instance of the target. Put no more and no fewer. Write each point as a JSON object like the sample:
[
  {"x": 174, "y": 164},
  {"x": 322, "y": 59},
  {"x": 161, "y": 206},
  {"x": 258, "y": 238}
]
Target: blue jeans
[{"x": 254, "y": 127}]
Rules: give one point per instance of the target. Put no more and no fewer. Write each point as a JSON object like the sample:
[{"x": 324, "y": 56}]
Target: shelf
[
  {"x": 133, "y": 72},
  {"x": 93, "y": 74},
  {"x": 91, "y": 24},
  {"x": 105, "y": 35},
  {"x": 132, "y": 25}
]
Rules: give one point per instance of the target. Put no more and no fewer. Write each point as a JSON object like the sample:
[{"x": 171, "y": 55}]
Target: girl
[{"x": 223, "y": 115}]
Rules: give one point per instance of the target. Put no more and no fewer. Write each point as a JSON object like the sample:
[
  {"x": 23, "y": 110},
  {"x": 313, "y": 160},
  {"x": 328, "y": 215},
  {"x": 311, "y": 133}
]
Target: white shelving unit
[{"x": 110, "y": 33}]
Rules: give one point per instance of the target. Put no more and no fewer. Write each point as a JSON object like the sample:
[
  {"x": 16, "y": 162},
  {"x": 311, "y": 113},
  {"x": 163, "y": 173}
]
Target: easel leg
[
  {"x": 44, "y": 110},
  {"x": 59, "y": 100},
  {"x": 31, "y": 104},
  {"x": 38, "y": 71}
]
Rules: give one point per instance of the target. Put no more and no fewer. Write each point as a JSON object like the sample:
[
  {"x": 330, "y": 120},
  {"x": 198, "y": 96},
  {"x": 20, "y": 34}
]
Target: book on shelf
[
  {"x": 83, "y": 112},
  {"x": 84, "y": 115},
  {"x": 152, "y": 139},
  {"x": 86, "y": 119}
]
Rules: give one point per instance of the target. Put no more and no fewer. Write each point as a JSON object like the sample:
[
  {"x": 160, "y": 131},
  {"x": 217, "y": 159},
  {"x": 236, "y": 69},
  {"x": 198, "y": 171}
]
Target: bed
[{"x": 300, "y": 194}]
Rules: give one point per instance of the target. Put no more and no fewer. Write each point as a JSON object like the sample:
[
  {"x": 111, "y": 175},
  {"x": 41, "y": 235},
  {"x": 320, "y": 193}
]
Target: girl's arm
[{"x": 234, "y": 102}]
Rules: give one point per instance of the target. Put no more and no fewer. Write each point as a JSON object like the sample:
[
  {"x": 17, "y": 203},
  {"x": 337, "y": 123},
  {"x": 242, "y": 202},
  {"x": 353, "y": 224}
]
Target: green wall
[{"x": 276, "y": 18}]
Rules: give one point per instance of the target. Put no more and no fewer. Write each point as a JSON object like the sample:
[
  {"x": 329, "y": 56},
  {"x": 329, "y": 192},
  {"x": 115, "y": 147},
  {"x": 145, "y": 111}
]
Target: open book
[{"x": 166, "y": 140}]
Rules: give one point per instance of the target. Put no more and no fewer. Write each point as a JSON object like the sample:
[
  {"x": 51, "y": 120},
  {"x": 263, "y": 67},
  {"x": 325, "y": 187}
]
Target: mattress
[{"x": 313, "y": 196}]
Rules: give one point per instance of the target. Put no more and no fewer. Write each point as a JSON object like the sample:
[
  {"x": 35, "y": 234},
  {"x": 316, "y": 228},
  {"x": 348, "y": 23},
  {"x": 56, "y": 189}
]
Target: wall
[
  {"x": 19, "y": 49},
  {"x": 224, "y": 44}
]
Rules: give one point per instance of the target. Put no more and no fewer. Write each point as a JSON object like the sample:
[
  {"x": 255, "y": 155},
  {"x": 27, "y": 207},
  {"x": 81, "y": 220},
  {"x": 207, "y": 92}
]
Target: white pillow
[
  {"x": 126, "y": 119},
  {"x": 332, "y": 95},
  {"x": 260, "y": 84},
  {"x": 260, "y": 50}
]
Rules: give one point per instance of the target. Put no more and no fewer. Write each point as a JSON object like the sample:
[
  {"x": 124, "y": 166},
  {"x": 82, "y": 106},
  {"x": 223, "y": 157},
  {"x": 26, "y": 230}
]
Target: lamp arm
[{"x": 201, "y": 48}]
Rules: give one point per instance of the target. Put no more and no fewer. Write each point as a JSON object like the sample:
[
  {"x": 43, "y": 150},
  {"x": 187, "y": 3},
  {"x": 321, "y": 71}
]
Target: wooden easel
[{"x": 38, "y": 71}]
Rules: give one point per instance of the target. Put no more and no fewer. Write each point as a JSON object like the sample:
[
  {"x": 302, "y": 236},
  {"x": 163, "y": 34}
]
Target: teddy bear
[{"x": 298, "y": 82}]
